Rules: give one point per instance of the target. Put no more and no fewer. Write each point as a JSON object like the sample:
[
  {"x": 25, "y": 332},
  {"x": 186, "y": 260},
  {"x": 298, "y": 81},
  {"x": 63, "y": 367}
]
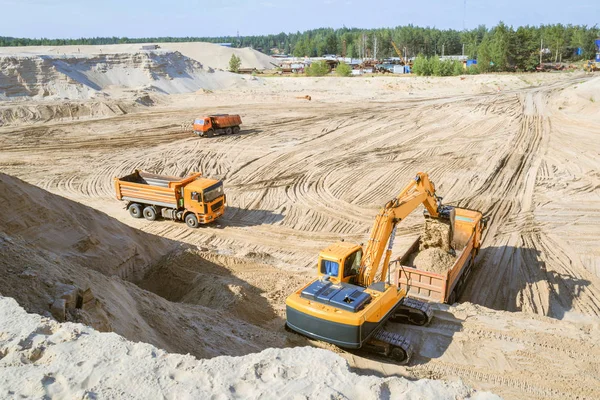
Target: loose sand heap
[
  {"x": 434, "y": 247},
  {"x": 436, "y": 233},
  {"x": 42, "y": 358},
  {"x": 434, "y": 259}
]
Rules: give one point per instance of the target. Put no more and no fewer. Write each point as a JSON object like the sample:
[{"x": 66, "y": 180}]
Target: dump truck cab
[
  {"x": 205, "y": 198},
  {"x": 340, "y": 262},
  {"x": 202, "y": 124},
  {"x": 217, "y": 124}
]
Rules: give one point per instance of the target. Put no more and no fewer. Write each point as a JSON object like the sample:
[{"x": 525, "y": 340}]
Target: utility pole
[
  {"x": 541, "y": 51},
  {"x": 375, "y": 47},
  {"x": 442, "y": 49},
  {"x": 463, "y": 50}
]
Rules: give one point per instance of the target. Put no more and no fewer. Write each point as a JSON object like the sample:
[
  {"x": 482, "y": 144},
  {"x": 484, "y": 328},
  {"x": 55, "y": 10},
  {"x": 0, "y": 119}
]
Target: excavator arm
[{"x": 419, "y": 191}]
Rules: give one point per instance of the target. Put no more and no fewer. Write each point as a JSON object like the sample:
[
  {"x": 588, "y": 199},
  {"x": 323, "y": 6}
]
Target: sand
[
  {"x": 51, "y": 363},
  {"x": 436, "y": 233},
  {"x": 304, "y": 175},
  {"x": 97, "y": 76},
  {"x": 434, "y": 259},
  {"x": 208, "y": 54}
]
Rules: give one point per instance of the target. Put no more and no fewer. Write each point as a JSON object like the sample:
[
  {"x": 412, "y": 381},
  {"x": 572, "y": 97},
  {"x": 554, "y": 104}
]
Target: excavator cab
[{"x": 340, "y": 262}]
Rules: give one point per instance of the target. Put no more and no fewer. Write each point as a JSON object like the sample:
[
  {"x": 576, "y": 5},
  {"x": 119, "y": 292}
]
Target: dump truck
[
  {"x": 193, "y": 199},
  {"x": 353, "y": 296},
  {"x": 218, "y": 124},
  {"x": 445, "y": 287}
]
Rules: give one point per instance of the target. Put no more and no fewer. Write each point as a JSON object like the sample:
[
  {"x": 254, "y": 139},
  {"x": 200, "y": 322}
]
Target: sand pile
[
  {"x": 41, "y": 358},
  {"x": 77, "y": 233},
  {"x": 434, "y": 259},
  {"x": 435, "y": 247},
  {"x": 436, "y": 233},
  {"x": 80, "y": 76},
  {"x": 208, "y": 54}
]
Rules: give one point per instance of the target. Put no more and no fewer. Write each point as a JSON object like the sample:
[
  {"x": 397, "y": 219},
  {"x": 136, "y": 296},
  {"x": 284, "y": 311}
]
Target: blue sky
[{"x": 136, "y": 18}]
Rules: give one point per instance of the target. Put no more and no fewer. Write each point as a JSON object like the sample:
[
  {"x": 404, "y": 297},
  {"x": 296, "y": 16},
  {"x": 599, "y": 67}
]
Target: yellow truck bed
[{"x": 150, "y": 188}]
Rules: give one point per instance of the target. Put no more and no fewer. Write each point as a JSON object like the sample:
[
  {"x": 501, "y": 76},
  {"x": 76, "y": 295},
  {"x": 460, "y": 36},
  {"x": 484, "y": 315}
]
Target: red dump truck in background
[
  {"x": 468, "y": 226},
  {"x": 193, "y": 199},
  {"x": 218, "y": 124}
]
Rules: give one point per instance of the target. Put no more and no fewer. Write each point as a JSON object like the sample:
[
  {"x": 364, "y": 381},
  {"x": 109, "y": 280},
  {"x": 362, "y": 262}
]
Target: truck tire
[
  {"x": 210, "y": 133},
  {"x": 191, "y": 221},
  {"x": 228, "y": 131},
  {"x": 135, "y": 210},
  {"x": 236, "y": 130},
  {"x": 150, "y": 213}
]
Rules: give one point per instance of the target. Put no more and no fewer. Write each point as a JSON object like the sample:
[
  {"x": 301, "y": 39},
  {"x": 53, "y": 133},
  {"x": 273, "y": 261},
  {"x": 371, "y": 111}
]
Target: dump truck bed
[
  {"x": 438, "y": 287},
  {"x": 226, "y": 120},
  {"x": 147, "y": 188}
]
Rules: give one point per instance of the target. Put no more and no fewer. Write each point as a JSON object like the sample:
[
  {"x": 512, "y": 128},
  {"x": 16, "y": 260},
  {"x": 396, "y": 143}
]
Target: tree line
[{"x": 503, "y": 47}]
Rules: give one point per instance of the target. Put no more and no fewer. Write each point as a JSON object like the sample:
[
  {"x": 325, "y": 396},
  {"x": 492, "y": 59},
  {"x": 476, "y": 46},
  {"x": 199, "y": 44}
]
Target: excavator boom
[{"x": 419, "y": 191}]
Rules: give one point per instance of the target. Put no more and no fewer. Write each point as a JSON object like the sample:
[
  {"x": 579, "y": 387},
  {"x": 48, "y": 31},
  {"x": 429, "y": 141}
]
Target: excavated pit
[{"x": 146, "y": 288}]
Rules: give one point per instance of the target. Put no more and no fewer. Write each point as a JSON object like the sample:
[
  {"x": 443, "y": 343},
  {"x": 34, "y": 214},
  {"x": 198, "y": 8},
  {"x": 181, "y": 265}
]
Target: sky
[{"x": 153, "y": 18}]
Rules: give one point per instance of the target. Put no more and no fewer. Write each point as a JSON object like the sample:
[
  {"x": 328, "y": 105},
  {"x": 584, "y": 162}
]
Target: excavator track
[
  {"x": 396, "y": 346},
  {"x": 412, "y": 311}
]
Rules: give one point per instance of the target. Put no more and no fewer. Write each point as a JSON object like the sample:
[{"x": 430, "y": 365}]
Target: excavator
[{"x": 351, "y": 300}]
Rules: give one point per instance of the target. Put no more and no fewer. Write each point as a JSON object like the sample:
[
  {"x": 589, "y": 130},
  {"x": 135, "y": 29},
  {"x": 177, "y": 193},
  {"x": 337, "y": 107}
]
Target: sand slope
[
  {"x": 208, "y": 54},
  {"x": 65, "y": 246},
  {"x": 77, "y": 76},
  {"x": 41, "y": 358}
]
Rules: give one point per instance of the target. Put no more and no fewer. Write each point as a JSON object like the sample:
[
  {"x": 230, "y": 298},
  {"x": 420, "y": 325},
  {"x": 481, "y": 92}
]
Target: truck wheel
[
  {"x": 135, "y": 210},
  {"x": 236, "y": 130},
  {"x": 191, "y": 221},
  {"x": 228, "y": 131},
  {"x": 210, "y": 133},
  {"x": 150, "y": 213}
]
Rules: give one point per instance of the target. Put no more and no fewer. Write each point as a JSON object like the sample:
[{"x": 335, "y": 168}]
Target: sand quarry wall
[
  {"x": 84, "y": 76},
  {"x": 208, "y": 54}
]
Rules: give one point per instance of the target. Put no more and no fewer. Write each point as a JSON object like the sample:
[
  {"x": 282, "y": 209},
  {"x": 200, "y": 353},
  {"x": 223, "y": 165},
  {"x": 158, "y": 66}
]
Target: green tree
[
  {"x": 458, "y": 68},
  {"x": 235, "y": 63},
  {"x": 435, "y": 66},
  {"x": 421, "y": 66},
  {"x": 318, "y": 68},
  {"x": 343, "y": 69}
]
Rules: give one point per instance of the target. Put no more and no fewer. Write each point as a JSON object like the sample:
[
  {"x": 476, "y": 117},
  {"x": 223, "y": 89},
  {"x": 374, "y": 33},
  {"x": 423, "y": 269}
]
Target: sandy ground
[
  {"x": 44, "y": 359},
  {"x": 301, "y": 175}
]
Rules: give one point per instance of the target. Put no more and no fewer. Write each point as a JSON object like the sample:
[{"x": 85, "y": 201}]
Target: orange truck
[
  {"x": 218, "y": 124},
  {"x": 194, "y": 199},
  {"x": 468, "y": 227}
]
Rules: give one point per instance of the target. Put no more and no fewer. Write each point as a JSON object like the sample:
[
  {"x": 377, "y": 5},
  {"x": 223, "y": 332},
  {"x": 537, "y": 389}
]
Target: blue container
[
  {"x": 471, "y": 62},
  {"x": 598, "y": 57},
  {"x": 598, "y": 43}
]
